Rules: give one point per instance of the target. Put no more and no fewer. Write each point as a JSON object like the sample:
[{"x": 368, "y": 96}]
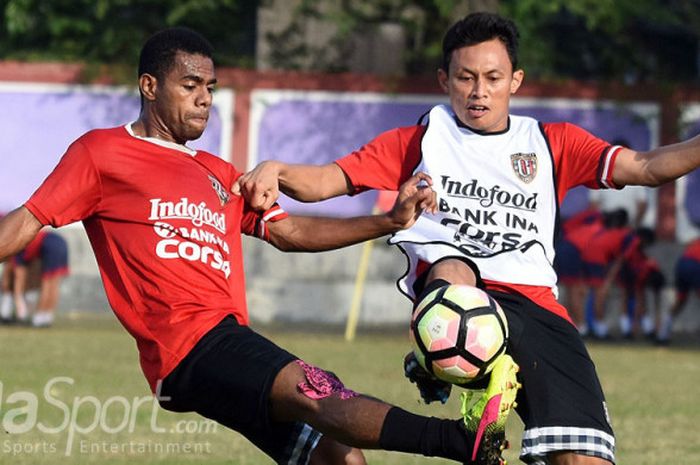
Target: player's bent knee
[
  {"x": 320, "y": 384},
  {"x": 300, "y": 389},
  {"x": 454, "y": 271}
]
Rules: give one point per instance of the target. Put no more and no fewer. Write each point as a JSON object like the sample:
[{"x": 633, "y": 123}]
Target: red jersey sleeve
[
  {"x": 385, "y": 162},
  {"x": 580, "y": 158},
  {"x": 72, "y": 191}
]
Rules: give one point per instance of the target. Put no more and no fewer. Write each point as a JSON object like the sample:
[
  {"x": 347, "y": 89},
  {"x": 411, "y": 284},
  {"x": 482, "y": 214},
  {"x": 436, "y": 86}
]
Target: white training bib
[{"x": 497, "y": 202}]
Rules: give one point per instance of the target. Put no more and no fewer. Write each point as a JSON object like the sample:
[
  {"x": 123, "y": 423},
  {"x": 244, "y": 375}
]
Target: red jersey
[
  {"x": 580, "y": 228},
  {"x": 32, "y": 250},
  {"x": 577, "y": 157},
  {"x": 692, "y": 250},
  {"x": 610, "y": 244},
  {"x": 642, "y": 266},
  {"x": 165, "y": 230}
]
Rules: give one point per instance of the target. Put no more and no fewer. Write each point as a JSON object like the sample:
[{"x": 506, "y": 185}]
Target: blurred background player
[
  {"x": 604, "y": 258},
  {"x": 577, "y": 233},
  {"x": 641, "y": 277},
  {"x": 687, "y": 279},
  {"x": 51, "y": 250},
  {"x": 6, "y": 301}
]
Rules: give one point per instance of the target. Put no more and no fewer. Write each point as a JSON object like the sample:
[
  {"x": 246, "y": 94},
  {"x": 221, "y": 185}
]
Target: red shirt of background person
[
  {"x": 611, "y": 243},
  {"x": 692, "y": 250},
  {"x": 33, "y": 249},
  {"x": 580, "y": 228}
]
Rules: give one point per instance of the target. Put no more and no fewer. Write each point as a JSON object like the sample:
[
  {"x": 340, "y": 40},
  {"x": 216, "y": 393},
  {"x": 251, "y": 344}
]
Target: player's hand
[
  {"x": 260, "y": 186},
  {"x": 415, "y": 197},
  {"x": 431, "y": 388}
]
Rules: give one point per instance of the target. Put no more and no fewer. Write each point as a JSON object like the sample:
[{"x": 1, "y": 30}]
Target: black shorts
[
  {"x": 561, "y": 403},
  {"x": 227, "y": 377}
]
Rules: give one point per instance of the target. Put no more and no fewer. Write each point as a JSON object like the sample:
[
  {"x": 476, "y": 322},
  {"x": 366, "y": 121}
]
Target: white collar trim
[{"x": 162, "y": 143}]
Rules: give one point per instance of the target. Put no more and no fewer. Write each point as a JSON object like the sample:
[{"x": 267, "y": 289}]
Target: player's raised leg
[{"x": 302, "y": 392}]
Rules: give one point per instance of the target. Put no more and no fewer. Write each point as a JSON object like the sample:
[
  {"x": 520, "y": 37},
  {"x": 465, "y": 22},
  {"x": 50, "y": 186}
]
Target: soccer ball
[{"x": 458, "y": 332}]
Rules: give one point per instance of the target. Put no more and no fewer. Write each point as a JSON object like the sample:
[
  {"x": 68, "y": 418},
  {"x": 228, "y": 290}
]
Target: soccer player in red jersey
[
  {"x": 687, "y": 279},
  {"x": 577, "y": 233},
  {"x": 52, "y": 252},
  {"x": 500, "y": 179},
  {"x": 166, "y": 231},
  {"x": 606, "y": 256}
]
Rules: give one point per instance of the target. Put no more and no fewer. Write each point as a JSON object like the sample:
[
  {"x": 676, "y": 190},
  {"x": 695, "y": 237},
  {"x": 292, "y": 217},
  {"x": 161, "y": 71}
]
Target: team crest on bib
[
  {"x": 524, "y": 165},
  {"x": 219, "y": 189}
]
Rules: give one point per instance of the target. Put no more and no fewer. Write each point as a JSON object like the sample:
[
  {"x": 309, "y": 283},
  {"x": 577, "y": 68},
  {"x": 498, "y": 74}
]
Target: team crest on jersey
[
  {"x": 524, "y": 165},
  {"x": 220, "y": 191}
]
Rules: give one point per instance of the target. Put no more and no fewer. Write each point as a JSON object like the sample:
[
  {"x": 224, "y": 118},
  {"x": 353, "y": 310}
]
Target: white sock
[
  {"x": 664, "y": 333},
  {"x": 21, "y": 310},
  {"x": 583, "y": 329},
  {"x": 6, "y": 306},
  {"x": 42, "y": 318},
  {"x": 600, "y": 328},
  {"x": 648, "y": 324},
  {"x": 625, "y": 324}
]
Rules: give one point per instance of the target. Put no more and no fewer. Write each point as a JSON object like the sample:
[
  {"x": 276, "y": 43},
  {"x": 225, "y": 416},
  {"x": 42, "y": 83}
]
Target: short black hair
[
  {"x": 480, "y": 27},
  {"x": 646, "y": 235},
  {"x": 618, "y": 218},
  {"x": 158, "y": 53}
]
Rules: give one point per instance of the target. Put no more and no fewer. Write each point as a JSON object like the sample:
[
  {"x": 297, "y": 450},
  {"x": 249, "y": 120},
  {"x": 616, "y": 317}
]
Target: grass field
[{"x": 94, "y": 406}]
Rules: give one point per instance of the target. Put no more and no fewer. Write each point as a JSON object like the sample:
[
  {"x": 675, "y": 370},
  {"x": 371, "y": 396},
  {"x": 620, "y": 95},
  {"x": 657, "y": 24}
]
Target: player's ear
[
  {"x": 147, "y": 85},
  {"x": 518, "y": 76},
  {"x": 443, "y": 79}
]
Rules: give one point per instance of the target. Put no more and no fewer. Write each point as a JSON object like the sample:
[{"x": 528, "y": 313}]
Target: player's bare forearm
[
  {"x": 17, "y": 229},
  {"x": 307, "y": 183},
  {"x": 318, "y": 234},
  {"x": 657, "y": 166},
  {"x": 310, "y": 183}
]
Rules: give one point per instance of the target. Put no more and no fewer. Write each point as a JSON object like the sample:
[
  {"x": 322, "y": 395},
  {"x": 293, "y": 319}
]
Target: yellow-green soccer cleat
[{"x": 486, "y": 418}]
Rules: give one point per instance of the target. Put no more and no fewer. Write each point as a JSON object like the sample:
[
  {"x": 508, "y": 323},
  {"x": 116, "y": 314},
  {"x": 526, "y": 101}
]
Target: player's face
[
  {"x": 184, "y": 98},
  {"x": 479, "y": 84}
]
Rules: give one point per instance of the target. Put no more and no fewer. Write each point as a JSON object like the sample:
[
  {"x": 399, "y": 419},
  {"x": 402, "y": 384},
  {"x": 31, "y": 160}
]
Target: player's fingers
[
  {"x": 425, "y": 177},
  {"x": 256, "y": 199},
  {"x": 268, "y": 201},
  {"x": 430, "y": 202},
  {"x": 236, "y": 188}
]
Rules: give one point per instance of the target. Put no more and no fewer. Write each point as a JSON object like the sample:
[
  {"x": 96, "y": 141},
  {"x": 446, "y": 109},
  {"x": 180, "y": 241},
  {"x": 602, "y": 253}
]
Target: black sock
[{"x": 432, "y": 437}]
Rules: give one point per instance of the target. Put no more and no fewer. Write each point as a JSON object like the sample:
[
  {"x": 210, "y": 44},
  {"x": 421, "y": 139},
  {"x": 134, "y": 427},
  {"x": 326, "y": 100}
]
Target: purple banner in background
[
  {"x": 40, "y": 122},
  {"x": 318, "y": 131}
]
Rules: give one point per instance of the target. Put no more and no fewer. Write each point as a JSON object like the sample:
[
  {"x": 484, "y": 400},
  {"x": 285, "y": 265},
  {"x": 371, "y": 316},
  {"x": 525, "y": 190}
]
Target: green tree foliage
[
  {"x": 423, "y": 21},
  {"x": 633, "y": 40},
  {"x": 112, "y": 31}
]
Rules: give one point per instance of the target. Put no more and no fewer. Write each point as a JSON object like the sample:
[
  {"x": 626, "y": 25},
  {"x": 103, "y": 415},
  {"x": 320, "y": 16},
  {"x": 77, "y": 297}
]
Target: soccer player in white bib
[
  {"x": 166, "y": 231},
  {"x": 500, "y": 180}
]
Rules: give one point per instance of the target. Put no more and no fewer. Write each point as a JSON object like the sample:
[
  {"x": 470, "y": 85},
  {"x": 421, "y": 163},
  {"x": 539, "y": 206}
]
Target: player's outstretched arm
[
  {"x": 314, "y": 234},
  {"x": 17, "y": 229},
  {"x": 307, "y": 183},
  {"x": 657, "y": 166}
]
